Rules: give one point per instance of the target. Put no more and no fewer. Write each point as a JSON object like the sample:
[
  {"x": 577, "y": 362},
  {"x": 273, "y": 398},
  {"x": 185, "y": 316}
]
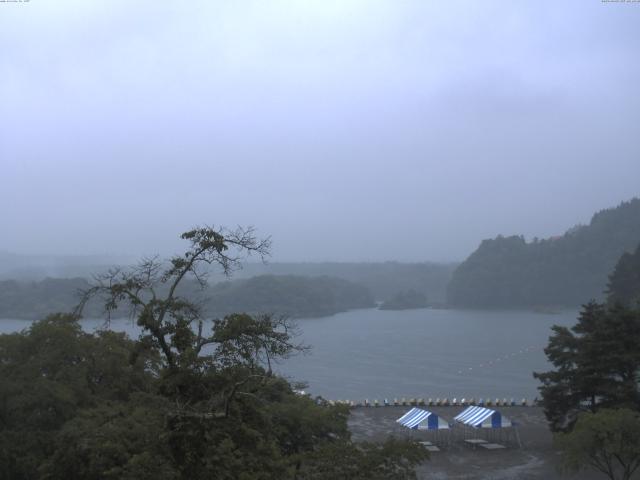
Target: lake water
[{"x": 412, "y": 353}]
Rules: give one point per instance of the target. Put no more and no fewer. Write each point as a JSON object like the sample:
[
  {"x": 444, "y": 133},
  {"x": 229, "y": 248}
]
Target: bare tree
[{"x": 150, "y": 289}]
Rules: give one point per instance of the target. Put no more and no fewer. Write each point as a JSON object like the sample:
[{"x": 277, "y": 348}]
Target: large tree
[
  {"x": 151, "y": 293},
  {"x": 191, "y": 398},
  {"x": 53, "y": 376},
  {"x": 596, "y": 364},
  {"x": 624, "y": 282},
  {"x": 608, "y": 441}
]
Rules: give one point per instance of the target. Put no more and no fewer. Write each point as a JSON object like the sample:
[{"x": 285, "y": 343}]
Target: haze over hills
[
  {"x": 297, "y": 290},
  {"x": 509, "y": 272},
  {"x": 505, "y": 272},
  {"x": 288, "y": 295},
  {"x": 41, "y": 284},
  {"x": 384, "y": 279},
  {"x": 38, "y": 267},
  {"x": 364, "y": 148}
]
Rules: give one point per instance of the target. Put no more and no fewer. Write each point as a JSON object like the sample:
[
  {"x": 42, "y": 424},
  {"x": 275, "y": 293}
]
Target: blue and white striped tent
[
  {"x": 480, "y": 417},
  {"x": 419, "y": 419}
]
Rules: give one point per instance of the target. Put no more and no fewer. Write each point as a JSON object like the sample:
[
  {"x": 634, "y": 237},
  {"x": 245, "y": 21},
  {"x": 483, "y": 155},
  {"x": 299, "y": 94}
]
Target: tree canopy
[
  {"x": 568, "y": 270},
  {"x": 292, "y": 295},
  {"x": 405, "y": 300},
  {"x": 592, "y": 396},
  {"x": 624, "y": 282},
  {"x": 608, "y": 441},
  {"x": 596, "y": 365},
  {"x": 189, "y": 399}
]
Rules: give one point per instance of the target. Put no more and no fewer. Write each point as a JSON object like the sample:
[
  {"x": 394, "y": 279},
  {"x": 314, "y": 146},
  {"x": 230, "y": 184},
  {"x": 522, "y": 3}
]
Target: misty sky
[{"x": 346, "y": 129}]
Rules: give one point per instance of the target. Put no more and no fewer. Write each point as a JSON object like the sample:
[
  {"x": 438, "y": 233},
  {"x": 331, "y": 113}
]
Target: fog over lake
[{"x": 412, "y": 353}]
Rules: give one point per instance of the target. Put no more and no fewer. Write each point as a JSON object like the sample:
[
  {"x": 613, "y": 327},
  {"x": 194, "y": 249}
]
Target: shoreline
[{"x": 536, "y": 458}]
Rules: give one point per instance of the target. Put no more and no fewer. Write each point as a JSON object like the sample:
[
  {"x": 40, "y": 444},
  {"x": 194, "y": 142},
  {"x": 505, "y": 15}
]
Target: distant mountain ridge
[
  {"x": 15, "y": 266},
  {"x": 289, "y": 295},
  {"x": 383, "y": 279},
  {"x": 508, "y": 272}
]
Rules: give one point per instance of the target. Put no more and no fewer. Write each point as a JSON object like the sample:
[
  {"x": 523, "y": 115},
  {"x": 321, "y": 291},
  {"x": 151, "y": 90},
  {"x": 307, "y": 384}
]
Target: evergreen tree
[
  {"x": 597, "y": 363},
  {"x": 624, "y": 282},
  {"x": 567, "y": 270}
]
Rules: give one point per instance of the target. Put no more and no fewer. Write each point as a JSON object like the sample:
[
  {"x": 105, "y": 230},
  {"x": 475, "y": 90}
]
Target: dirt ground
[{"x": 459, "y": 460}]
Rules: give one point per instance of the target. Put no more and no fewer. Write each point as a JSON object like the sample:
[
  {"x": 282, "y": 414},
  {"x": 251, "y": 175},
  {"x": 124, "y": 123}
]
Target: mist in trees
[
  {"x": 591, "y": 398},
  {"x": 565, "y": 271}
]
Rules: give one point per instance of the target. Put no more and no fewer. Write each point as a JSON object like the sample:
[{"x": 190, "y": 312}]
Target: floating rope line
[{"x": 491, "y": 363}]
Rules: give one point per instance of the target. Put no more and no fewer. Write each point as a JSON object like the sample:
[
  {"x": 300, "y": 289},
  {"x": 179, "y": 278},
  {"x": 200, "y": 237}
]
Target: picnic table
[
  {"x": 430, "y": 446},
  {"x": 475, "y": 441},
  {"x": 492, "y": 446}
]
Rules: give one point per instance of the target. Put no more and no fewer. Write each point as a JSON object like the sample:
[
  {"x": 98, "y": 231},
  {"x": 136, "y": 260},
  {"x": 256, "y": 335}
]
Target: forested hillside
[
  {"x": 405, "y": 300},
  {"x": 36, "y": 300},
  {"x": 383, "y": 279},
  {"x": 624, "y": 282},
  {"x": 289, "y": 295},
  {"x": 101, "y": 406},
  {"x": 563, "y": 271}
]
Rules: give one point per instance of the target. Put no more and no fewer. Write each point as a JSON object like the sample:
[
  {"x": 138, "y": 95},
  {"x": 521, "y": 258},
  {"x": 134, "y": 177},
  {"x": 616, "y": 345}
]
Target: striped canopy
[
  {"x": 419, "y": 419},
  {"x": 480, "y": 417}
]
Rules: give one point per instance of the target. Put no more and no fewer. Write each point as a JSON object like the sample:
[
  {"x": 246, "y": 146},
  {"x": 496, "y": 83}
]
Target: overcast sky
[{"x": 346, "y": 129}]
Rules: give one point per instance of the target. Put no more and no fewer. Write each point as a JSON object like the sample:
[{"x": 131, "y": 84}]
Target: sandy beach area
[{"x": 457, "y": 459}]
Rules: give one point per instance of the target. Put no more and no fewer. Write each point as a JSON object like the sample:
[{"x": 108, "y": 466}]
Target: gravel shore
[{"x": 536, "y": 457}]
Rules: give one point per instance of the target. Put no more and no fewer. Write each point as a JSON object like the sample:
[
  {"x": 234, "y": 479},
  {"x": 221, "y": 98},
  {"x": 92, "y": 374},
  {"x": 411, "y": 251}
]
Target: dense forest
[
  {"x": 561, "y": 271},
  {"x": 83, "y": 405},
  {"x": 289, "y": 295},
  {"x": 591, "y": 396},
  {"x": 383, "y": 279},
  {"x": 35, "y": 300},
  {"x": 185, "y": 400},
  {"x": 624, "y": 282},
  {"x": 405, "y": 300}
]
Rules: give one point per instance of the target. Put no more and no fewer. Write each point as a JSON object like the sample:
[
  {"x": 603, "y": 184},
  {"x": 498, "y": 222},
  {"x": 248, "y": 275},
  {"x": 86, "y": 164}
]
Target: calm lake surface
[{"x": 412, "y": 353}]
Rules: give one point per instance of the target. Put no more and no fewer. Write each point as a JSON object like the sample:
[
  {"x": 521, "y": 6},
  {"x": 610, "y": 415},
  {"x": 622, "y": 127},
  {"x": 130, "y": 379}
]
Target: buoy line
[
  {"x": 495, "y": 361},
  {"x": 438, "y": 402}
]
